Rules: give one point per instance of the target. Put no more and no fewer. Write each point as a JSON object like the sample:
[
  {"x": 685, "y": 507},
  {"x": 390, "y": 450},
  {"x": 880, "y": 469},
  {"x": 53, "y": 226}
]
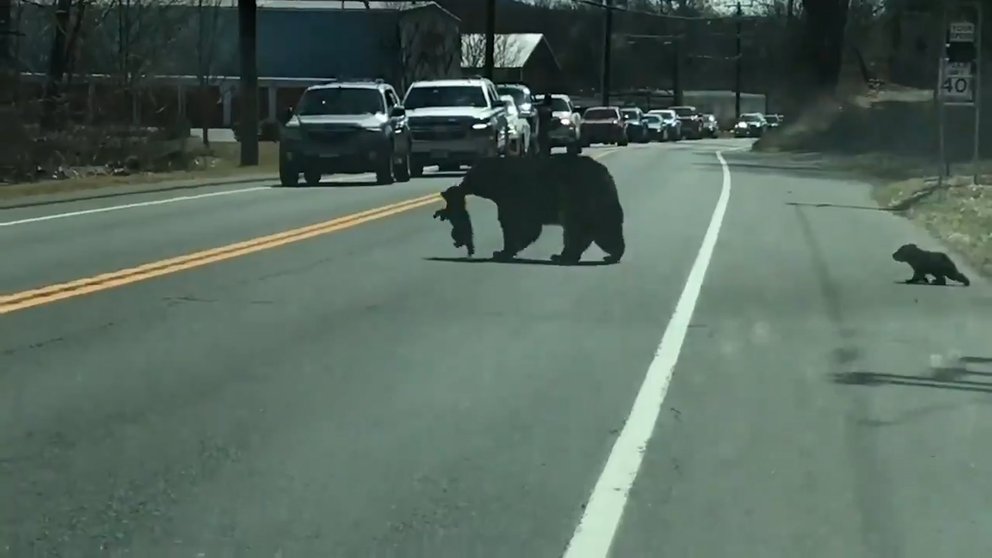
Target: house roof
[{"x": 513, "y": 50}]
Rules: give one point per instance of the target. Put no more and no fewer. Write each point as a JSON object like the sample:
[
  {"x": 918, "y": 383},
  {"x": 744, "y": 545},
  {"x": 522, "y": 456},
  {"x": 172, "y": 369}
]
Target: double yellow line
[{"x": 53, "y": 293}]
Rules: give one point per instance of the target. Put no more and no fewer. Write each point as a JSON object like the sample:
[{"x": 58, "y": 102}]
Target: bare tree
[
  {"x": 825, "y": 23},
  {"x": 143, "y": 42},
  {"x": 506, "y": 51},
  {"x": 429, "y": 47},
  {"x": 58, "y": 58},
  {"x": 207, "y": 21}
]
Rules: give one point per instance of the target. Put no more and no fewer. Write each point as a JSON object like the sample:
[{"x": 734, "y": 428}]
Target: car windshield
[
  {"x": 666, "y": 114},
  {"x": 427, "y": 96},
  {"x": 751, "y": 118},
  {"x": 772, "y": 119},
  {"x": 684, "y": 111},
  {"x": 600, "y": 114},
  {"x": 519, "y": 95},
  {"x": 630, "y": 115},
  {"x": 559, "y": 105},
  {"x": 341, "y": 100},
  {"x": 652, "y": 118}
]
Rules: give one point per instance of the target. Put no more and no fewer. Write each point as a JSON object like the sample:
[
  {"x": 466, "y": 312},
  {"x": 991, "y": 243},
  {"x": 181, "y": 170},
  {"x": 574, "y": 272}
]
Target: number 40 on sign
[{"x": 956, "y": 86}]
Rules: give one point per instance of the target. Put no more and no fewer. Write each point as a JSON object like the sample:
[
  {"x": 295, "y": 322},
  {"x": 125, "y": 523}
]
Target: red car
[{"x": 604, "y": 125}]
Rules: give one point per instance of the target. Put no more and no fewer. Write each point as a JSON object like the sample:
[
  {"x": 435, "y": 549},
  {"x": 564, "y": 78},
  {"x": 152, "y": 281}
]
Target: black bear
[
  {"x": 925, "y": 262},
  {"x": 456, "y": 213},
  {"x": 576, "y": 193}
]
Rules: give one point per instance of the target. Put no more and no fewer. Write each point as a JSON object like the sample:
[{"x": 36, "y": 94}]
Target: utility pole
[
  {"x": 248, "y": 132},
  {"x": 737, "y": 86},
  {"x": 960, "y": 72},
  {"x": 607, "y": 47},
  {"x": 6, "y": 30},
  {"x": 676, "y": 75},
  {"x": 490, "y": 38}
]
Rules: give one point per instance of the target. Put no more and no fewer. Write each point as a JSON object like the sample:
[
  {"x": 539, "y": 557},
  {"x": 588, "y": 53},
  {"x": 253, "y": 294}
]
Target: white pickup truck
[{"x": 453, "y": 122}]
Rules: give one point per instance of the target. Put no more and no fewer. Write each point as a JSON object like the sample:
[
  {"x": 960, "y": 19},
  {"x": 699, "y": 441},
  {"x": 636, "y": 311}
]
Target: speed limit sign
[
  {"x": 957, "y": 87},
  {"x": 957, "y": 83}
]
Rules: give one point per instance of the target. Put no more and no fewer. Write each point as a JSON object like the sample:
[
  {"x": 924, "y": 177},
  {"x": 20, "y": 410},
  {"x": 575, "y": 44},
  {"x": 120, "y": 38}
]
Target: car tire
[
  {"x": 311, "y": 177},
  {"x": 289, "y": 177},
  {"x": 402, "y": 170},
  {"x": 623, "y": 142},
  {"x": 289, "y": 174},
  {"x": 384, "y": 174},
  {"x": 574, "y": 148}
]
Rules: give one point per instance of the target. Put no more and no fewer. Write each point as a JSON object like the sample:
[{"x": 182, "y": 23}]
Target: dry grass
[
  {"x": 223, "y": 161},
  {"x": 960, "y": 213},
  {"x": 888, "y": 139}
]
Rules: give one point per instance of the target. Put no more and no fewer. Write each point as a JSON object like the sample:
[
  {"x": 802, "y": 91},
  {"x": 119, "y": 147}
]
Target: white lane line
[
  {"x": 161, "y": 202},
  {"x": 130, "y": 206},
  {"x": 594, "y": 534}
]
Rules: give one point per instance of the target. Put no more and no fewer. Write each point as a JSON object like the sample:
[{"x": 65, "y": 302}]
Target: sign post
[{"x": 960, "y": 74}]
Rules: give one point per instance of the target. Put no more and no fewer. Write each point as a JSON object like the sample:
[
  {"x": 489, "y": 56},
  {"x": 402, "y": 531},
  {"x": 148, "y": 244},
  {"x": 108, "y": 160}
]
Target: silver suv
[
  {"x": 345, "y": 127},
  {"x": 454, "y": 122}
]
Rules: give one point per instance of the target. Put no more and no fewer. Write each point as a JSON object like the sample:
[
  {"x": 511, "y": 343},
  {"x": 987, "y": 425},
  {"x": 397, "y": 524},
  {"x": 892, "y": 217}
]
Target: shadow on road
[
  {"x": 978, "y": 360},
  {"x": 519, "y": 261},
  {"x": 838, "y": 206},
  {"x": 927, "y": 284},
  {"x": 946, "y": 377},
  {"x": 445, "y": 174}
]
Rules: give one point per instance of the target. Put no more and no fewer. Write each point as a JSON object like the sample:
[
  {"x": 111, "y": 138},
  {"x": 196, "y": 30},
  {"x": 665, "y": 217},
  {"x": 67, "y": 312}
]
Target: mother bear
[{"x": 576, "y": 193}]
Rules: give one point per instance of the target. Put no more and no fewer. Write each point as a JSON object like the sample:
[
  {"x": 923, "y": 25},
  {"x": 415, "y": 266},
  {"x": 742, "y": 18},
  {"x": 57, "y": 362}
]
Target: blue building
[{"x": 184, "y": 53}]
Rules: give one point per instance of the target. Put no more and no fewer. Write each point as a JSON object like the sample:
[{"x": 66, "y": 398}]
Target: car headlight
[
  {"x": 481, "y": 125},
  {"x": 741, "y": 125},
  {"x": 565, "y": 121}
]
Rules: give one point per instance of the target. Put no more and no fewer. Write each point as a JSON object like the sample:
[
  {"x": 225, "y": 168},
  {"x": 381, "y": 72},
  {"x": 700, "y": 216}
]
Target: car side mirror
[{"x": 397, "y": 111}]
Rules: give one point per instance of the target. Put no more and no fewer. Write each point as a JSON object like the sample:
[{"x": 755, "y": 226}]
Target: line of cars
[
  {"x": 755, "y": 124},
  {"x": 359, "y": 126},
  {"x": 622, "y": 125}
]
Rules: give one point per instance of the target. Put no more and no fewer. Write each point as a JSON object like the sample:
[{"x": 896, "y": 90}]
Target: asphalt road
[{"x": 366, "y": 392}]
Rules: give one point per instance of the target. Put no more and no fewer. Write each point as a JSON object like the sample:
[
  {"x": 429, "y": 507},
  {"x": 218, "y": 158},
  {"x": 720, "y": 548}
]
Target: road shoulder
[
  {"x": 68, "y": 191},
  {"x": 819, "y": 408}
]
